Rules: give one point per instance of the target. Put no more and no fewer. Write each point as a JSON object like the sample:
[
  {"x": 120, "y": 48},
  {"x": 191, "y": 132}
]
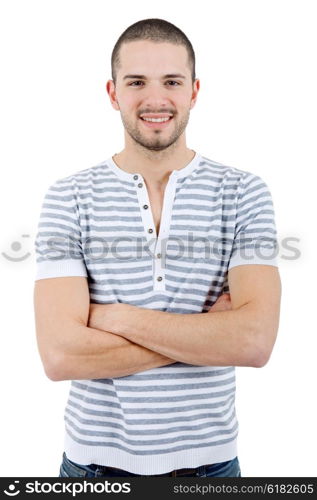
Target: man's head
[
  {"x": 153, "y": 76},
  {"x": 154, "y": 30}
]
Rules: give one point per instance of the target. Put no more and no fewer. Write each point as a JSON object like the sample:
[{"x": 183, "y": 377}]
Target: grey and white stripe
[{"x": 93, "y": 224}]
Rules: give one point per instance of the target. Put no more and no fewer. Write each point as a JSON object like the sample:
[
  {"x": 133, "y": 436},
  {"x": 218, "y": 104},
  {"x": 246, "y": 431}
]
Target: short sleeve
[
  {"x": 58, "y": 246},
  {"x": 255, "y": 239}
]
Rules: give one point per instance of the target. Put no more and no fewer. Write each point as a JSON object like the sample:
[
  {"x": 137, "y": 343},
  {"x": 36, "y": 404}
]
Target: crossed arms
[{"x": 78, "y": 340}]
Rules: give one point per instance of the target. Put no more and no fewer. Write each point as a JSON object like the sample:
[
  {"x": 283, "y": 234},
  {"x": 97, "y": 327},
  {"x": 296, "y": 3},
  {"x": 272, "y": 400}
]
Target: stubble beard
[{"x": 154, "y": 140}]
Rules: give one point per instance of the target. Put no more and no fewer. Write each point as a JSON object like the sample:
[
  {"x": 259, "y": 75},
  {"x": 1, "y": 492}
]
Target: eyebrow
[{"x": 143, "y": 77}]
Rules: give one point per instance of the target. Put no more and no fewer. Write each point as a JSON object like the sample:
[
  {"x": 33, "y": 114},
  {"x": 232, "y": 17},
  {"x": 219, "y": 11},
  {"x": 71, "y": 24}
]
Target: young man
[{"x": 140, "y": 247}]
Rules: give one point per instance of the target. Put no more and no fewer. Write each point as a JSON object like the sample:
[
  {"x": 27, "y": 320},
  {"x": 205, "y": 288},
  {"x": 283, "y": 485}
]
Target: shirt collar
[{"x": 175, "y": 174}]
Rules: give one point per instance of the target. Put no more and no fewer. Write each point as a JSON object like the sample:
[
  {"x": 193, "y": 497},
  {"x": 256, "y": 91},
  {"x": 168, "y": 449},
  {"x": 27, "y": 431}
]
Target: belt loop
[{"x": 173, "y": 473}]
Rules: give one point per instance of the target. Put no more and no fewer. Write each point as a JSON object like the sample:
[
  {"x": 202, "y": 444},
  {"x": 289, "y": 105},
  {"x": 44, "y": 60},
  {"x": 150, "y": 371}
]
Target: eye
[
  {"x": 173, "y": 82},
  {"x": 137, "y": 81}
]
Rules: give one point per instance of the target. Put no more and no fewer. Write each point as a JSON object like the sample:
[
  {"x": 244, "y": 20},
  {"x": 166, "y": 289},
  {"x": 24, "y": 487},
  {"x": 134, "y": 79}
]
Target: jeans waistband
[{"x": 173, "y": 473}]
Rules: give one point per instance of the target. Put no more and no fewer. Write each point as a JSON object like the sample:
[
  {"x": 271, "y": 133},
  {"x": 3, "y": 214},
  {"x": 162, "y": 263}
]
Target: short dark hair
[{"x": 155, "y": 30}]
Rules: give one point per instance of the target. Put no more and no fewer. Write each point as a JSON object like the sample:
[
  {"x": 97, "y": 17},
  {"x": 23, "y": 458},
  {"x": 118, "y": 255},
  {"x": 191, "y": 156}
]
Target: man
[{"x": 131, "y": 254}]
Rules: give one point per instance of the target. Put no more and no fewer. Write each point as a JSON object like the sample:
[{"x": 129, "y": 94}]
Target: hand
[{"x": 223, "y": 303}]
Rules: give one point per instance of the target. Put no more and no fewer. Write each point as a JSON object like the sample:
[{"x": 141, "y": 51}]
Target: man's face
[{"x": 144, "y": 89}]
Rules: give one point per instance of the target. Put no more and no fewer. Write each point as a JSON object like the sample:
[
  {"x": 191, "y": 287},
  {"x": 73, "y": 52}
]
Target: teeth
[{"x": 156, "y": 119}]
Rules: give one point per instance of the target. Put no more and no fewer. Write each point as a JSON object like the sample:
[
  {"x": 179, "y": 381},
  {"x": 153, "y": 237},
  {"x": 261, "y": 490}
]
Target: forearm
[
  {"x": 93, "y": 354},
  {"x": 219, "y": 339}
]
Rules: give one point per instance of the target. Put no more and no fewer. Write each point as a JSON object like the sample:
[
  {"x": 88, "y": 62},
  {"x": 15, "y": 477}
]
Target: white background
[{"x": 256, "y": 111}]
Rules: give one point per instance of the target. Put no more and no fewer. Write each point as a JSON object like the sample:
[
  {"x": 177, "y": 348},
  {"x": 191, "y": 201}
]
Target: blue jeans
[{"x": 231, "y": 468}]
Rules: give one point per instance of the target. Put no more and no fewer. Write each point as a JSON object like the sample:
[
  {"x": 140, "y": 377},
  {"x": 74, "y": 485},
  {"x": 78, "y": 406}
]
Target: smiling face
[{"x": 153, "y": 81}]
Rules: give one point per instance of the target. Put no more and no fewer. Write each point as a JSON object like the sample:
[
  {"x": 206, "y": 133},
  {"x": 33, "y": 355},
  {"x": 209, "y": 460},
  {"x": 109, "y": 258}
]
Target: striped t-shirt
[{"x": 98, "y": 223}]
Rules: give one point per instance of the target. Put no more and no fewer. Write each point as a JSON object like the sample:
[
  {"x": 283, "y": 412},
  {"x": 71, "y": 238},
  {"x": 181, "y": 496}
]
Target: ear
[
  {"x": 196, "y": 87},
  {"x": 111, "y": 90}
]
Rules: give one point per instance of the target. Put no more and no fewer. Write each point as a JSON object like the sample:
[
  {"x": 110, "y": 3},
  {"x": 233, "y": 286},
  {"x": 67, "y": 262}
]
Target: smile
[{"x": 156, "y": 122}]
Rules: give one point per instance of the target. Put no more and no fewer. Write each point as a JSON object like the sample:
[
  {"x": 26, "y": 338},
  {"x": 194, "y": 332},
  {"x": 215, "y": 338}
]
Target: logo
[
  {"x": 11, "y": 487},
  {"x": 16, "y": 247}
]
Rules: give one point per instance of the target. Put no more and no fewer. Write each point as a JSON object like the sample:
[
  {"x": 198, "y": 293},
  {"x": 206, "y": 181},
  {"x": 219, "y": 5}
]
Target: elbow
[
  {"x": 260, "y": 353},
  {"x": 260, "y": 348},
  {"x": 259, "y": 358},
  {"x": 54, "y": 369}
]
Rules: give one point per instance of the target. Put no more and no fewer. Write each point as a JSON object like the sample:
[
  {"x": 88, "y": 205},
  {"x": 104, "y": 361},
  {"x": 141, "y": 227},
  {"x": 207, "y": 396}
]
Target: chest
[
  {"x": 188, "y": 252},
  {"x": 156, "y": 199}
]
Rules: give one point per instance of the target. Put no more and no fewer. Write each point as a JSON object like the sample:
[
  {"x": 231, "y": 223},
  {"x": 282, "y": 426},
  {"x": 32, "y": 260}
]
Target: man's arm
[
  {"x": 243, "y": 336},
  {"x": 72, "y": 351}
]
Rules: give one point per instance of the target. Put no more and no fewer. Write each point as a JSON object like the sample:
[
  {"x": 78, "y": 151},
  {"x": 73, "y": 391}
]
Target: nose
[{"x": 156, "y": 98}]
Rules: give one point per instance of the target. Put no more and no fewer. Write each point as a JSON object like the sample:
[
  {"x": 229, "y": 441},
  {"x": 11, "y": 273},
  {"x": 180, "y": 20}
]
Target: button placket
[
  {"x": 158, "y": 265},
  {"x": 144, "y": 204},
  {"x": 159, "y": 272},
  {"x": 147, "y": 217}
]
